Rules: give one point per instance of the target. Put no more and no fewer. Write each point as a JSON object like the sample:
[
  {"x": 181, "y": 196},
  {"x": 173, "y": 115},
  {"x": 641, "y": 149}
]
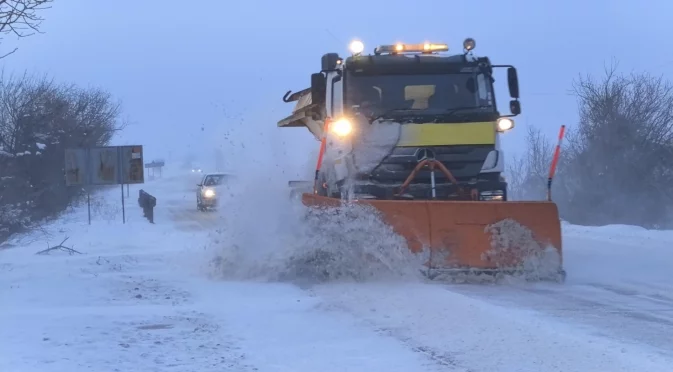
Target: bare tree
[
  {"x": 540, "y": 152},
  {"x": 619, "y": 158},
  {"x": 21, "y": 18},
  {"x": 528, "y": 175},
  {"x": 516, "y": 176}
]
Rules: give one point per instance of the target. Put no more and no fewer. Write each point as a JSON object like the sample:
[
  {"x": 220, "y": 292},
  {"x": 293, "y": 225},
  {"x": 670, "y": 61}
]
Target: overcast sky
[{"x": 188, "y": 75}]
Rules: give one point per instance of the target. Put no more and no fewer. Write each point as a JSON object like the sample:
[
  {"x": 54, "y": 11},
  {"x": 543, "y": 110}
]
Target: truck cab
[{"x": 380, "y": 115}]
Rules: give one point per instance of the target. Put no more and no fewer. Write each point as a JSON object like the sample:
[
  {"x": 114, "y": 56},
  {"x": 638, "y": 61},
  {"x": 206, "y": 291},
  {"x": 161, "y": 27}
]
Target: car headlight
[
  {"x": 496, "y": 195},
  {"x": 341, "y": 127},
  {"x": 505, "y": 124},
  {"x": 209, "y": 193}
]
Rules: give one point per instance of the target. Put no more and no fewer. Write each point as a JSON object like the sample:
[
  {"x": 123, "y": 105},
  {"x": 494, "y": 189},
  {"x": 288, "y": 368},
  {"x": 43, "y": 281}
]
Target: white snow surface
[{"x": 217, "y": 292}]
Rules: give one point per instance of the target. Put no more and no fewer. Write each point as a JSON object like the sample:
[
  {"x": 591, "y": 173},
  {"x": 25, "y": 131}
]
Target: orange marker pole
[
  {"x": 554, "y": 161},
  {"x": 321, "y": 153}
]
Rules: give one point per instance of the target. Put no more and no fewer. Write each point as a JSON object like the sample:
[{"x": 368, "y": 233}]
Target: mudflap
[{"x": 474, "y": 238}]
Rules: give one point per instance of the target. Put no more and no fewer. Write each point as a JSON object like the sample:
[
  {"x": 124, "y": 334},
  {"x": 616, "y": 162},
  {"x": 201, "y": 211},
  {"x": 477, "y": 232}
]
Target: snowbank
[{"x": 619, "y": 233}]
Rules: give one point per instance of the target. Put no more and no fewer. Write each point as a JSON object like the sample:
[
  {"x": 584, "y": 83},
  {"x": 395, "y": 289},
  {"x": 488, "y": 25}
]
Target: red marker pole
[{"x": 554, "y": 161}]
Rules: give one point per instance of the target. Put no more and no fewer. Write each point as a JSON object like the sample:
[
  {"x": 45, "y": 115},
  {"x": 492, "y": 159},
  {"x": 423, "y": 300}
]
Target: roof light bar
[{"x": 411, "y": 48}]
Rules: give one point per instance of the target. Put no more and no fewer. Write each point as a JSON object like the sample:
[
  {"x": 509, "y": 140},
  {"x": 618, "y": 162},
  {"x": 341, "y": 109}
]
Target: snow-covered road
[
  {"x": 137, "y": 299},
  {"x": 620, "y": 286}
]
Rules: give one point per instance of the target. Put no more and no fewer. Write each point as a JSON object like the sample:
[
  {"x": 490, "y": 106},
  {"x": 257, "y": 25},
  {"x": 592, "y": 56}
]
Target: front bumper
[
  {"x": 209, "y": 202},
  {"x": 484, "y": 190}
]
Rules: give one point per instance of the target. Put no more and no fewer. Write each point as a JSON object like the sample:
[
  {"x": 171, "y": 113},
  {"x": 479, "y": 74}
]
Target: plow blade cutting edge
[{"x": 473, "y": 237}]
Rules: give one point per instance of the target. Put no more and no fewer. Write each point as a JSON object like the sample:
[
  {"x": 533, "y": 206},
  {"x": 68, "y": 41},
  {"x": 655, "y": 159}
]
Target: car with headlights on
[{"x": 208, "y": 188}]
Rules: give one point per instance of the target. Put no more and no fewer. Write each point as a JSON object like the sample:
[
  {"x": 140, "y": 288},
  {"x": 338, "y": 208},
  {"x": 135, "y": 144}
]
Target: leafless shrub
[
  {"x": 616, "y": 165},
  {"x": 39, "y": 119},
  {"x": 528, "y": 175},
  {"x": 21, "y": 18},
  {"x": 619, "y": 159}
]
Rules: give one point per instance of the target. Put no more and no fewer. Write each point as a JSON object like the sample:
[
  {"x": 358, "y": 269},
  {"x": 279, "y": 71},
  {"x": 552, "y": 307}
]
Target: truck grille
[{"x": 464, "y": 162}]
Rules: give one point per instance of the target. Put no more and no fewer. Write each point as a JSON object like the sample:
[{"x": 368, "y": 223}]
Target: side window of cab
[
  {"x": 337, "y": 96},
  {"x": 485, "y": 97}
]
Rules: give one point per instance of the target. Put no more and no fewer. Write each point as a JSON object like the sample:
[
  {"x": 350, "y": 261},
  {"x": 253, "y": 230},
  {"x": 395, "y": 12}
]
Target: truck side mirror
[
  {"x": 515, "y": 107},
  {"x": 513, "y": 82},
  {"x": 318, "y": 88},
  {"x": 329, "y": 61}
]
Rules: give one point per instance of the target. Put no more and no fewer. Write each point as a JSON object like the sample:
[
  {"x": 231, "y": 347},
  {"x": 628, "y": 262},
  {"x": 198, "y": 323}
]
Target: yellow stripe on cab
[{"x": 447, "y": 134}]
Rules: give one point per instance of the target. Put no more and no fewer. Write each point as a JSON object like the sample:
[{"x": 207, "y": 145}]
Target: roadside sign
[
  {"x": 104, "y": 162},
  {"x": 132, "y": 164},
  {"x": 76, "y": 167},
  {"x": 155, "y": 164},
  {"x": 106, "y": 165}
]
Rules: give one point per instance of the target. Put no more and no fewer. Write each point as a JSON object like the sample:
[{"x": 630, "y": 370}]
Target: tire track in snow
[
  {"x": 481, "y": 328},
  {"x": 192, "y": 220},
  {"x": 443, "y": 360},
  {"x": 653, "y": 293},
  {"x": 608, "y": 310}
]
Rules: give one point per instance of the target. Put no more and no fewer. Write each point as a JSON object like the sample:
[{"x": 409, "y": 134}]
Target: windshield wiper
[
  {"x": 447, "y": 112},
  {"x": 454, "y": 110},
  {"x": 388, "y": 112}
]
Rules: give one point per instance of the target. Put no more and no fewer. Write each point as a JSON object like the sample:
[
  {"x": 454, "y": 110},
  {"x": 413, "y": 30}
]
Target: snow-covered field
[{"x": 144, "y": 297}]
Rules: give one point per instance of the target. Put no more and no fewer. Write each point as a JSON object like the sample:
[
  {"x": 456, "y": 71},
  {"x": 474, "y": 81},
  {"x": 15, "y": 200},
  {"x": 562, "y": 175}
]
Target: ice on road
[{"x": 137, "y": 299}]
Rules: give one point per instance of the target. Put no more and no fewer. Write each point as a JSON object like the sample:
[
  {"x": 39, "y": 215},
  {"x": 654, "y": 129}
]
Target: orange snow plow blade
[{"x": 470, "y": 236}]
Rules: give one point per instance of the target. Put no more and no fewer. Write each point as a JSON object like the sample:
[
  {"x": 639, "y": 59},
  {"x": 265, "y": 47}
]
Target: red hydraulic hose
[
  {"x": 323, "y": 144},
  {"x": 554, "y": 161}
]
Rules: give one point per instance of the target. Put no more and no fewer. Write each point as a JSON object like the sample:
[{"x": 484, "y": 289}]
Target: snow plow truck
[{"x": 414, "y": 132}]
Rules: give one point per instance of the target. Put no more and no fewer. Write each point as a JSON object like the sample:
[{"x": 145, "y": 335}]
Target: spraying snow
[
  {"x": 269, "y": 236},
  {"x": 510, "y": 239},
  {"x": 291, "y": 242}
]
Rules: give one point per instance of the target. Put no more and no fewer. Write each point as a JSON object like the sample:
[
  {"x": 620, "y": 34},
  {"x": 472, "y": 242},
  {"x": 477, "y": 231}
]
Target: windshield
[
  {"x": 425, "y": 92},
  {"x": 213, "y": 180}
]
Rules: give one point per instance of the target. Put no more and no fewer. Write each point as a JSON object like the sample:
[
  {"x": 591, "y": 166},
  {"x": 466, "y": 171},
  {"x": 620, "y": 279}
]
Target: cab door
[
  {"x": 338, "y": 150},
  {"x": 334, "y": 99},
  {"x": 336, "y": 103}
]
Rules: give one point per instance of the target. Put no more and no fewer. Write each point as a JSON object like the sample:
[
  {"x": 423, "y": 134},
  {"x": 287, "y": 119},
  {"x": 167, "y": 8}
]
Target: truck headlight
[
  {"x": 209, "y": 193},
  {"x": 505, "y": 124},
  {"x": 342, "y": 127}
]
